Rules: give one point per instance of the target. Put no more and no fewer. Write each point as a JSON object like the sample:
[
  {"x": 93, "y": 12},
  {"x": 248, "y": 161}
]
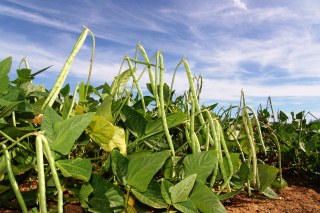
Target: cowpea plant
[{"x": 133, "y": 148}]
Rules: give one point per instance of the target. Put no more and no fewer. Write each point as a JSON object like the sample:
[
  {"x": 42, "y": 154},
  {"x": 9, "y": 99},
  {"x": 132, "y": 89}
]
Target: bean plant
[{"x": 127, "y": 147}]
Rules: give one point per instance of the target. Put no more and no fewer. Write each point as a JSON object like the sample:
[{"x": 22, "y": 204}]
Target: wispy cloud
[
  {"x": 240, "y": 4},
  {"x": 264, "y": 47}
]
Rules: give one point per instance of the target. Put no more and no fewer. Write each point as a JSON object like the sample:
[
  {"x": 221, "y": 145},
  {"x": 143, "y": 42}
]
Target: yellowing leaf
[
  {"x": 101, "y": 130},
  {"x": 106, "y": 135}
]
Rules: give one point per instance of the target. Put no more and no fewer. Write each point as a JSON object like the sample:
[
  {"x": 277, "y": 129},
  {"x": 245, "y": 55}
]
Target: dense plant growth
[{"x": 120, "y": 148}]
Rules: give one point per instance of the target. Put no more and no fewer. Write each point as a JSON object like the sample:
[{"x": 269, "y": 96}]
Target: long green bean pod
[
  {"x": 259, "y": 130},
  {"x": 194, "y": 95},
  {"x": 193, "y": 135},
  {"x": 151, "y": 78},
  {"x": 164, "y": 118},
  {"x": 248, "y": 128},
  {"x": 13, "y": 181},
  {"x": 53, "y": 169},
  {"x": 41, "y": 175},
  {"x": 65, "y": 70},
  {"x": 276, "y": 141},
  {"x": 136, "y": 83},
  {"x": 91, "y": 63},
  {"x": 227, "y": 156}
]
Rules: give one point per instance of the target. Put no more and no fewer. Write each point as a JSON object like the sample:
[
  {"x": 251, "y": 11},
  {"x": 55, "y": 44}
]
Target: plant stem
[
  {"x": 13, "y": 181},
  {"x": 53, "y": 172},
  {"x": 41, "y": 175}
]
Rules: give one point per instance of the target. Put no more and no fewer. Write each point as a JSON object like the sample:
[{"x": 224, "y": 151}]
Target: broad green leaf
[
  {"x": 67, "y": 131},
  {"x": 5, "y": 66},
  {"x": 4, "y": 188},
  {"x": 245, "y": 173},
  {"x": 180, "y": 192},
  {"x": 235, "y": 159},
  {"x": 165, "y": 186},
  {"x": 104, "y": 109},
  {"x": 270, "y": 193},
  {"x": 186, "y": 207},
  {"x": 267, "y": 175},
  {"x": 77, "y": 168},
  {"x": 8, "y": 109},
  {"x": 50, "y": 117},
  {"x": 119, "y": 165},
  {"x": 133, "y": 120},
  {"x": 201, "y": 163},
  {"x": 101, "y": 130},
  {"x": 85, "y": 191},
  {"x": 106, "y": 196},
  {"x": 173, "y": 119},
  {"x": 205, "y": 200},
  {"x": 22, "y": 168},
  {"x": 142, "y": 169},
  {"x": 152, "y": 196}
]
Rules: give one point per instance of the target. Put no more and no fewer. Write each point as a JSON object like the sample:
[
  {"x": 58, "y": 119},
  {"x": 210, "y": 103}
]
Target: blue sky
[{"x": 265, "y": 47}]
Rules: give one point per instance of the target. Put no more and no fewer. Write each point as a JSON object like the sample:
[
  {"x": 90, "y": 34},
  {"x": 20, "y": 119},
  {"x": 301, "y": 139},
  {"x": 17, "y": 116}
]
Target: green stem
[
  {"x": 41, "y": 175},
  {"x": 13, "y": 181},
  {"x": 54, "y": 173}
]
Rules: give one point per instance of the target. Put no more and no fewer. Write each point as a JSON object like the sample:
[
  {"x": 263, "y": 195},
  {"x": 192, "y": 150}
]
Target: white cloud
[{"x": 240, "y": 4}]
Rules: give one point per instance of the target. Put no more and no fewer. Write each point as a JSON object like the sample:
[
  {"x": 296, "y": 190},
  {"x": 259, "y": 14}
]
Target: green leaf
[
  {"x": 77, "y": 168},
  {"x": 270, "y": 193},
  {"x": 62, "y": 135},
  {"x": 152, "y": 196},
  {"x": 50, "y": 117},
  {"x": 245, "y": 173},
  {"x": 104, "y": 110},
  {"x": 4, "y": 188},
  {"x": 201, "y": 163},
  {"x": 85, "y": 191},
  {"x": 106, "y": 196},
  {"x": 119, "y": 166},
  {"x": 5, "y": 66},
  {"x": 101, "y": 130},
  {"x": 205, "y": 200},
  {"x": 180, "y": 192},
  {"x": 173, "y": 119},
  {"x": 267, "y": 175},
  {"x": 235, "y": 159},
  {"x": 24, "y": 73},
  {"x": 186, "y": 207},
  {"x": 133, "y": 120},
  {"x": 120, "y": 81},
  {"x": 142, "y": 168},
  {"x": 165, "y": 186}
]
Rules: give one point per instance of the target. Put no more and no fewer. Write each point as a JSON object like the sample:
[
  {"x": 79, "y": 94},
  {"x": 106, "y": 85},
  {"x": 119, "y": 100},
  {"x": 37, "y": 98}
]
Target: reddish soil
[{"x": 301, "y": 195}]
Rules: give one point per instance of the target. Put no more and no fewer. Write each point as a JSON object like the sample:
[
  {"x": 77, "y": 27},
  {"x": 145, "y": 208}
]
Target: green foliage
[
  {"x": 5, "y": 66},
  {"x": 77, "y": 168},
  {"x": 62, "y": 134},
  {"x": 142, "y": 167},
  {"x": 117, "y": 150}
]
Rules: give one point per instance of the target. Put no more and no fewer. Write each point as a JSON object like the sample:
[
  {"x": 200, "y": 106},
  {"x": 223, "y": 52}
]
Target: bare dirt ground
[{"x": 301, "y": 195}]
